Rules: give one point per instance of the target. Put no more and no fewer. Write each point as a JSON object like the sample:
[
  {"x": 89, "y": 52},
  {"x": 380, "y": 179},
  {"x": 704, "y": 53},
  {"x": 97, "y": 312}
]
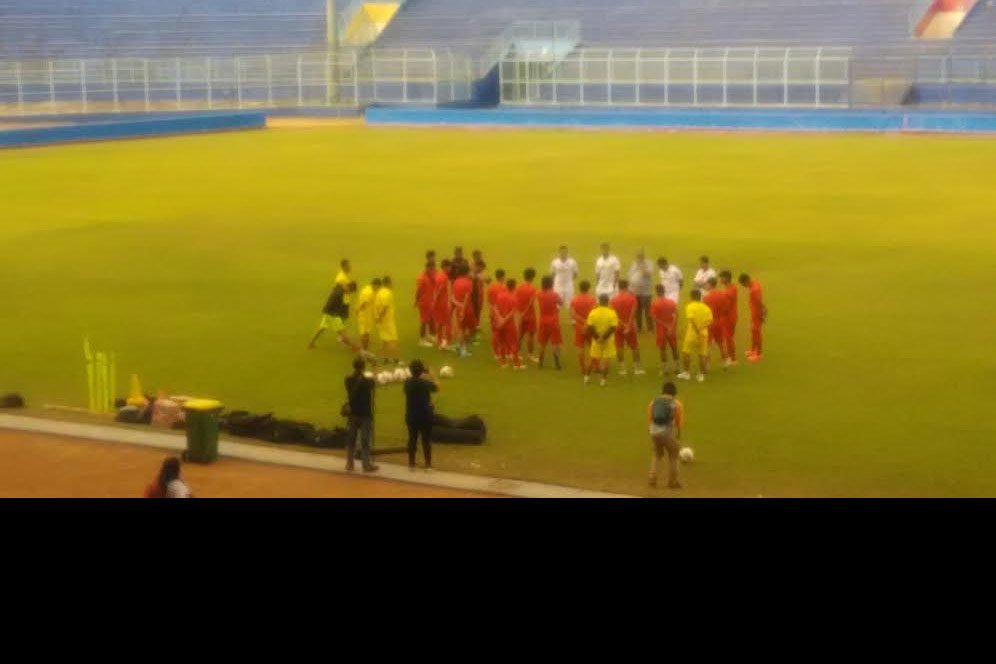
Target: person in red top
[
  {"x": 496, "y": 288},
  {"x": 463, "y": 309},
  {"x": 425, "y": 288},
  {"x": 506, "y": 308},
  {"x": 441, "y": 313},
  {"x": 664, "y": 313},
  {"x": 525, "y": 296},
  {"x": 625, "y": 304},
  {"x": 730, "y": 288},
  {"x": 549, "y": 323},
  {"x": 581, "y": 306},
  {"x": 716, "y": 299},
  {"x": 758, "y": 316}
]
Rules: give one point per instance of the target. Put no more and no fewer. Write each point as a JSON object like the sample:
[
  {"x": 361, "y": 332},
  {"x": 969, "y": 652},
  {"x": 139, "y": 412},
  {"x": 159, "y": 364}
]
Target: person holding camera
[{"x": 359, "y": 412}]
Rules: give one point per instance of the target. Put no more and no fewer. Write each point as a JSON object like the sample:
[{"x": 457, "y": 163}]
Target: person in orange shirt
[
  {"x": 626, "y": 304},
  {"x": 730, "y": 288},
  {"x": 496, "y": 288},
  {"x": 666, "y": 419},
  {"x": 549, "y": 323},
  {"x": 463, "y": 309},
  {"x": 758, "y": 315},
  {"x": 717, "y": 301},
  {"x": 441, "y": 312},
  {"x": 664, "y": 313},
  {"x": 425, "y": 287},
  {"x": 525, "y": 296},
  {"x": 581, "y": 306},
  {"x": 506, "y": 308}
]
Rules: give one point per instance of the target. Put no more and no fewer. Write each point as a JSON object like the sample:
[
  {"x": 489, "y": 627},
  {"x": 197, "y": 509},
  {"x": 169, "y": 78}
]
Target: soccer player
[
  {"x": 441, "y": 313},
  {"x": 602, "y": 324},
  {"x": 425, "y": 288},
  {"x": 704, "y": 274},
  {"x": 730, "y": 288},
  {"x": 565, "y": 272},
  {"x": 758, "y": 316},
  {"x": 506, "y": 308},
  {"x": 496, "y": 288},
  {"x": 479, "y": 275},
  {"x": 717, "y": 301},
  {"x": 641, "y": 285},
  {"x": 666, "y": 416},
  {"x": 525, "y": 296},
  {"x": 365, "y": 312},
  {"x": 625, "y": 305},
  {"x": 386, "y": 321},
  {"x": 344, "y": 278},
  {"x": 549, "y": 326},
  {"x": 671, "y": 279},
  {"x": 664, "y": 311},
  {"x": 334, "y": 316},
  {"x": 457, "y": 263},
  {"x": 581, "y": 306},
  {"x": 607, "y": 268},
  {"x": 463, "y": 309},
  {"x": 699, "y": 318}
]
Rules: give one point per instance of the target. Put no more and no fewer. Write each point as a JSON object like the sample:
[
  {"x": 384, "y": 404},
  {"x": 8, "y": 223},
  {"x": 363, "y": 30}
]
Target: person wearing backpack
[{"x": 667, "y": 417}]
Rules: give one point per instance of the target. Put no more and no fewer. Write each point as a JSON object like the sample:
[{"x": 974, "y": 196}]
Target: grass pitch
[{"x": 204, "y": 263}]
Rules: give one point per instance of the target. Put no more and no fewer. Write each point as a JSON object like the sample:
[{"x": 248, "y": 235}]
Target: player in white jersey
[
  {"x": 671, "y": 279},
  {"x": 704, "y": 274},
  {"x": 564, "y": 270},
  {"x": 607, "y": 269}
]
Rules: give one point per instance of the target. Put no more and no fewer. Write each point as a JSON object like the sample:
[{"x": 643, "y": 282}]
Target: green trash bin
[{"x": 202, "y": 430}]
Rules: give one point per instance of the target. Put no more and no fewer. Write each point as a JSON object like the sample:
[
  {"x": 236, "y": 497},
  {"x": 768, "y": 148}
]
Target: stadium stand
[
  {"x": 103, "y": 28},
  {"x": 980, "y": 24}
]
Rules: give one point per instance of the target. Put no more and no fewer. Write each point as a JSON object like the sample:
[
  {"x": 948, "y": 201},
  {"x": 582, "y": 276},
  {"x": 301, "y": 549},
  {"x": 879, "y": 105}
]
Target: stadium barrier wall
[
  {"x": 811, "y": 120},
  {"x": 130, "y": 127}
]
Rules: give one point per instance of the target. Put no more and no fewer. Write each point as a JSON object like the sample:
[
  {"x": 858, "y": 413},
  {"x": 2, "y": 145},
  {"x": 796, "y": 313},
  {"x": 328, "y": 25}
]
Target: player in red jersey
[
  {"x": 463, "y": 309},
  {"x": 716, "y": 299},
  {"x": 758, "y": 316},
  {"x": 441, "y": 312},
  {"x": 664, "y": 312},
  {"x": 625, "y": 305},
  {"x": 730, "y": 288},
  {"x": 525, "y": 296},
  {"x": 425, "y": 287},
  {"x": 506, "y": 309},
  {"x": 496, "y": 288},
  {"x": 549, "y": 323},
  {"x": 581, "y": 306}
]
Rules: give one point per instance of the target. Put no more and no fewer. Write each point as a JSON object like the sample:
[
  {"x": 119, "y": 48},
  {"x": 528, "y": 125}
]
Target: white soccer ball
[
  {"x": 369, "y": 374},
  {"x": 385, "y": 377},
  {"x": 399, "y": 374},
  {"x": 446, "y": 372},
  {"x": 687, "y": 455},
  {"x": 408, "y": 373}
]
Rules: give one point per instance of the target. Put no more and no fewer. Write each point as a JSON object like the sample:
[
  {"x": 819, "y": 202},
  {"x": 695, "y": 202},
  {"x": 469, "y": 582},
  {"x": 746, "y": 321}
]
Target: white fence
[
  {"x": 687, "y": 77},
  {"x": 346, "y": 78}
]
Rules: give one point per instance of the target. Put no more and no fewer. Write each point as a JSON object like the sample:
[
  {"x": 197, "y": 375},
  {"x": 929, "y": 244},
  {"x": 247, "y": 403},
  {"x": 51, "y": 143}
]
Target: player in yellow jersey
[
  {"x": 699, "y": 317},
  {"x": 385, "y": 320},
  {"x": 365, "y": 318},
  {"x": 601, "y": 326}
]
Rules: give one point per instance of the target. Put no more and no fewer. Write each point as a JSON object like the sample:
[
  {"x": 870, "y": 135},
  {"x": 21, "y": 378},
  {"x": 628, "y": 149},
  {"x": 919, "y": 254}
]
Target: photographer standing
[
  {"x": 360, "y": 390},
  {"x": 419, "y": 412}
]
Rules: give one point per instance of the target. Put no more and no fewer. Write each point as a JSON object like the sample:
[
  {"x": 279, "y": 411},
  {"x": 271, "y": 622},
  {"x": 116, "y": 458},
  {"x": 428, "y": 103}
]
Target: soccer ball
[
  {"x": 408, "y": 373},
  {"x": 369, "y": 375},
  {"x": 446, "y": 372},
  {"x": 385, "y": 377},
  {"x": 399, "y": 374},
  {"x": 687, "y": 455}
]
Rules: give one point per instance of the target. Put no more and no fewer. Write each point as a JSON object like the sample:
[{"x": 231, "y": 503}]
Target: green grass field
[{"x": 204, "y": 263}]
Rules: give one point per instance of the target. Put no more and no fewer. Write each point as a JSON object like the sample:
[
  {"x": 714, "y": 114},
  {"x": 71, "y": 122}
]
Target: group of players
[{"x": 451, "y": 297}]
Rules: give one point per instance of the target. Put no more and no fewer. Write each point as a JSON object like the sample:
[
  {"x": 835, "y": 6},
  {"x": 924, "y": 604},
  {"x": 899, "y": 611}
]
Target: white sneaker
[
  {"x": 603, "y": 383},
  {"x": 623, "y": 372},
  {"x": 701, "y": 378},
  {"x": 587, "y": 379},
  {"x": 520, "y": 367},
  {"x": 639, "y": 372},
  {"x": 425, "y": 343},
  {"x": 684, "y": 375},
  {"x": 444, "y": 346}
]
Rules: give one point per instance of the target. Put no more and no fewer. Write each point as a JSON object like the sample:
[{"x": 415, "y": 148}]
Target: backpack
[{"x": 663, "y": 411}]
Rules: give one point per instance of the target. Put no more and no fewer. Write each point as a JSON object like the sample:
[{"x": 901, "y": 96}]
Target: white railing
[
  {"x": 206, "y": 83},
  {"x": 817, "y": 77}
]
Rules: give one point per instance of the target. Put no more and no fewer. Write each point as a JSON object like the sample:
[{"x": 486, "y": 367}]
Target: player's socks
[{"x": 556, "y": 359}]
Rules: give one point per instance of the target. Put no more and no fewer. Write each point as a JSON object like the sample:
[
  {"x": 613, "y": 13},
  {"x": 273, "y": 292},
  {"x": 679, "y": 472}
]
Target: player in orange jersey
[
  {"x": 525, "y": 296},
  {"x": 758, "y": 315},
  {"x": 581, "y": 306},
  {"x": 727, "y": 285},
  {"x": 715, "y": 298},
  {"x": 505, "y": 310},
  {"x": 463, "y": 309},
  {"x": 441, "y": 311},
  {"x": 549, "y": 323},
  {"x": 664, "y": 313},
  {"x": 425, "y": 287},
  {"x": 626, "y": 305},
  {"x": 495, "y": 289}
]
